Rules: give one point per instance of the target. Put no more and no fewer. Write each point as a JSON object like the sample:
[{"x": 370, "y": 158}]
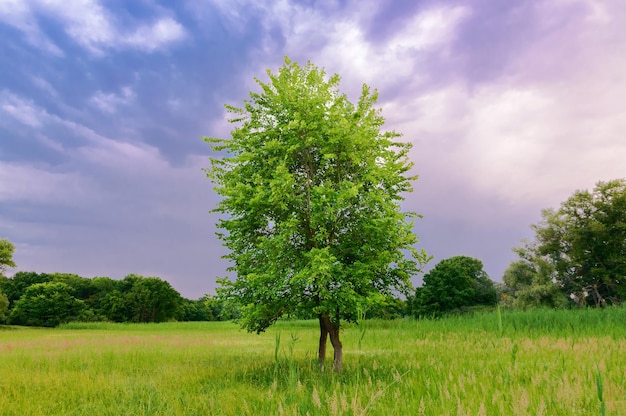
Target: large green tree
[
  {"x": 453, "y": 285},
  {"x": 585, "y": 242},
  {"x": 311, "y": 190}
]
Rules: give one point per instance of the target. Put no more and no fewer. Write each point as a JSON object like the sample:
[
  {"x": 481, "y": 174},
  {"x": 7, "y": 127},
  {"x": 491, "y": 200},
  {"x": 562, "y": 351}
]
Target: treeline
[
  {"x": 42, "y": 299},
  {"x": 577, "y": 259}
]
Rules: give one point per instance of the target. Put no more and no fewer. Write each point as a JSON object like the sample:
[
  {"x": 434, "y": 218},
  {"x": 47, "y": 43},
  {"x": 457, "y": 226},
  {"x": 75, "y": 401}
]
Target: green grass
[{"x": 521, "y": 363}]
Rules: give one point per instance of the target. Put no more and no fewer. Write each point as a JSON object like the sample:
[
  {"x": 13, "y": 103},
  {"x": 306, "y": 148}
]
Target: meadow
[{"x": 511, "y": 363}]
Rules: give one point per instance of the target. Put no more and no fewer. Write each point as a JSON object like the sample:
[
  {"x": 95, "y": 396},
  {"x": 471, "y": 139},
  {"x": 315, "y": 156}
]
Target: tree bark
[
  {"x": 323, "y": 338},
  {"x": 327, "y": 327}
]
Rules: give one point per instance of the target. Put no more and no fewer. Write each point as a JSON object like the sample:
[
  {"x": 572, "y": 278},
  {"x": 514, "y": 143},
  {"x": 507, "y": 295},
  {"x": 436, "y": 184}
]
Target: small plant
[
  {"x": 361, "y": 324},
  {"x": 600, "y": 393},
  {"x": 499, "y": 317},
  {"x": 514, "y": 354}
]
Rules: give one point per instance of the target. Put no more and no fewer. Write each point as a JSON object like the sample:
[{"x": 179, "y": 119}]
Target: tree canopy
[
  {"x": 311, "y": 190},
  {"x": 46, "y": 304},
  {"x": 452, "y": 285},
  {"x": 584, "y": 244}
]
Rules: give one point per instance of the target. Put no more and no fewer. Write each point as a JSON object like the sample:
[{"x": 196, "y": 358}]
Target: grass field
[{"x": 516, "y": 363}]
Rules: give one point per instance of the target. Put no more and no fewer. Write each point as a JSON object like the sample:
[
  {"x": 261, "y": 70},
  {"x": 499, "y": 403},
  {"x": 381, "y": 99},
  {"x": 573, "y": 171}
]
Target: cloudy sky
[{"x": 511, "y": 106}]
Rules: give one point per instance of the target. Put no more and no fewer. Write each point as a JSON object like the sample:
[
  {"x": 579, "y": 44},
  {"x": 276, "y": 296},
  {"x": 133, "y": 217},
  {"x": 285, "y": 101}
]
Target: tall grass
[{"x": 518, "y": 363}]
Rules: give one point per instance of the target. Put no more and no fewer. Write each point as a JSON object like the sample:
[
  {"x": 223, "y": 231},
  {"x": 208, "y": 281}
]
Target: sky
[{"x": 511, "y": 106}]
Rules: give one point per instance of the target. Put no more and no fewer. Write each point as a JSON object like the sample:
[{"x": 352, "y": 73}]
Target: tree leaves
[
  {"x": 584, "y": 242},
  {"x": 310, "y": 208}
]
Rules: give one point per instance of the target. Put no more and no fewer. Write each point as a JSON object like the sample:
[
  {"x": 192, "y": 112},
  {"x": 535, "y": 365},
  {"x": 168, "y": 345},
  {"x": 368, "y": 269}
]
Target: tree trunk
[
  {"x": 323, "y": 338},
  {"x": 327, "y": 327}
]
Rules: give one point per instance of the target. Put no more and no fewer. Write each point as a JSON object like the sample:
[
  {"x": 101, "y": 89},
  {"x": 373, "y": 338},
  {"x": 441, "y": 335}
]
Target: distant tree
[
  {"x": 529, "y": 282},
  {"x": 150, "y": 299},
  {"x": 82, "y": 288},
  {"x": 4, "y": 307},
  {"x": 6, "y": 255},
  {"x": 584, "y": 242},
  {"x": 453, "y": 285},
  {"x": 16, "y": 286},
  {"x": 194, "y": 311},
  {"x": 310, "y": 191},
  {"x": 113, "y": 306},
  {"x": 221, "y": 309},
  {"x": 46, "y": 304},
  {"x": 392, "y": 308},
  {"x": 108, "y": 302}
]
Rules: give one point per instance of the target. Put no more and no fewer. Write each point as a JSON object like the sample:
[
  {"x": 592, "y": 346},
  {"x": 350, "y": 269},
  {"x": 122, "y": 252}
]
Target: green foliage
[
  {"x": 150, "y": 299},
  {"x": 310, "y": 191},
  {"x": 529, "y": 283},
  {"x": 194, "y": 311},
  {"x": 583, "y": 244},
  {"x": 392, "y": 307},
  {"x": 133, "y": 299},
  {"x": 221, "y": 309},
  {"x": 16, "y": 286},
  {"x": 4, "y": 307},
  {"x": 46, "y": 304},
  {"x": 82, "y": 288},
  {"x": 454, "y": 285},
  {"x": 6, "y": 255}
]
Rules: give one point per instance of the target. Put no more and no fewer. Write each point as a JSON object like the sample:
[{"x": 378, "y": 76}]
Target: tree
[
  {"x": 194, "y": 310},
  {"x": 585, "y": 242},
  {"x": 16, "y": 286},
  {"x": 6, "y": 255},
  {"x": 311, "y": 190},
  {"x": 393, "y": 308},
  {"x": 151, "y": 299},
  {"x": 453, "y": 285},
  {"x": 135, "y": 299},
  {"x": 47, "y": 304},
  {"x": 82, "y": 288},
  {"x": 529, "y": 281},
  {"x": 108, "y": 302},
  {"x": 221, "y": 309},
  {"x": 4, "y": 307}
]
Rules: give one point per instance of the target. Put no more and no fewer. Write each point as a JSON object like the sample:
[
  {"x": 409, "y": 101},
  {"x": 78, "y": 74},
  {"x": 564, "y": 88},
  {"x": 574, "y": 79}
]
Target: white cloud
[
  {"x": 45, "y": 86},
  {"x": 85, "y": 21},
  {"x": 19, "y": 14},
  {"x": 157, "y": 35},
  {"x": 335, "y": 38},
  {"x": 554, "y": 124},
  {"x": 109, "y": 102},
  {"x": 88, "y": 23},
  {"x": 21, "y": 109}
]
